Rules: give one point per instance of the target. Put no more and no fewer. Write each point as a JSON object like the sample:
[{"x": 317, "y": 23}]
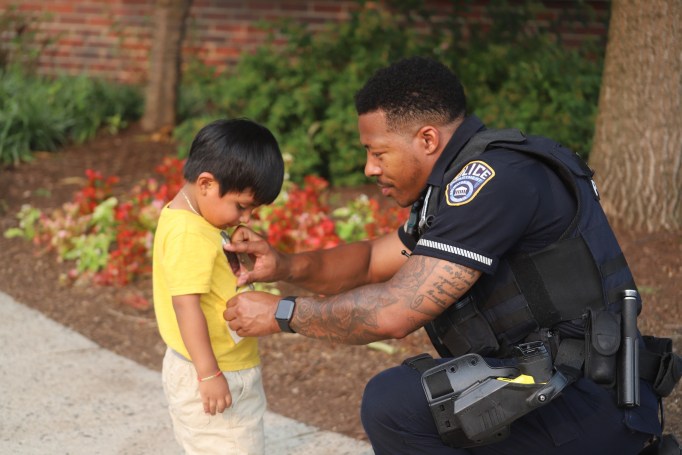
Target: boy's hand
[
  {"x": 215, "y": 395},
  {"x": 268, "y": 262}
]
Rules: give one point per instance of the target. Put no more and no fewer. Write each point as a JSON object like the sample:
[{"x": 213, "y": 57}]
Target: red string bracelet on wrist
[{"x": 218, "y": 373}]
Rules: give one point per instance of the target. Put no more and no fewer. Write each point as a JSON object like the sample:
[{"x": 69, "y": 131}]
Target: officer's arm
[
  {"x": 345, "y": 267},
  {"x": 422, "y": 289},
  {"x": 327, "y": 271}
]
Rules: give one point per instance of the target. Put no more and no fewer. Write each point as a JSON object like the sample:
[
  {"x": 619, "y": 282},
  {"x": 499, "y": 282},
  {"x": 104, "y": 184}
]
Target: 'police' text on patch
[{"x": 466, "y": 185}]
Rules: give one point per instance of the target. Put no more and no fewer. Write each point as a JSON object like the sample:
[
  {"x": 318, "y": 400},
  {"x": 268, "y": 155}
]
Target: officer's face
[{"x": 394, "y": 159}]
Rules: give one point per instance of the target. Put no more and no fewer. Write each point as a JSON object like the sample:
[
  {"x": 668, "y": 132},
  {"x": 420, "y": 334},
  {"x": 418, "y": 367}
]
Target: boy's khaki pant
[{"x": 238, "y": 430}]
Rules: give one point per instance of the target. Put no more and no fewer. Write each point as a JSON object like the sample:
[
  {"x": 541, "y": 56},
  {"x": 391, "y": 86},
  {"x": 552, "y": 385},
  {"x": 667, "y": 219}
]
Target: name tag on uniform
[{"x": 466, "y": 185}]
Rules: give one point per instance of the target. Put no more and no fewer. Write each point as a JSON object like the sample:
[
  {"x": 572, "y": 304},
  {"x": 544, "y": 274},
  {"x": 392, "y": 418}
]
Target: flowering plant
[
  {"x": 300, "y": 218},
  {"x": 96, "y": 190},
  {"x": 363, "y": 218},
  {"x": 109, "y": 239}
]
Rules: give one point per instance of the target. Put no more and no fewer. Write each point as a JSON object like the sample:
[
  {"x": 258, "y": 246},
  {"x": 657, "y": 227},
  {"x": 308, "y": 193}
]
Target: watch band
[{"x": 284, "y": 312}]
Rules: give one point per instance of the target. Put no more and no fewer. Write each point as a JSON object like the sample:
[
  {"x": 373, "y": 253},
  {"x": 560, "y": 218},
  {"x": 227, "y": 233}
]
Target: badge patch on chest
[{"x": 466, "y": 185}]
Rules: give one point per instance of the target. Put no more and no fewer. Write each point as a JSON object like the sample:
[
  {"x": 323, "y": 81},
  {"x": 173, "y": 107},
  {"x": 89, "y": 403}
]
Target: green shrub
[
  {"x": 549, "y": 92},
  {"x": 198, "y": 85},
  {"x": 37, "y": 113},
  {"x": 520, "y": 76},
  {"x": 91, "y": 104},
  {"x": 304, "y": 90},
  {"x": 28, "y": 120},
  {"x": 515, "y": 76}
]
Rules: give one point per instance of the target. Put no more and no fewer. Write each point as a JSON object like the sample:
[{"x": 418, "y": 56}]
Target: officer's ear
[{"x": 429, "y": 138}]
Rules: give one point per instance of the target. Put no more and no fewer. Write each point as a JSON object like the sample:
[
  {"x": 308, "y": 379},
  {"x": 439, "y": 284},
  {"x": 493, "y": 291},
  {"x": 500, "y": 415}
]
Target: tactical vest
[{"x": 552, "y": 291}]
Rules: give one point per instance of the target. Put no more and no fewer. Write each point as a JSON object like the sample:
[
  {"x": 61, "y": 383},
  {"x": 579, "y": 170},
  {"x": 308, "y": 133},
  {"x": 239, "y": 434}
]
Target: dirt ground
[{"x": 315, "y": 382}]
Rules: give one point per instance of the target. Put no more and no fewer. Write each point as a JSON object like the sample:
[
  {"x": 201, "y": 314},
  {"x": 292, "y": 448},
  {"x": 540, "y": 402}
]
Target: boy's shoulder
[{"x": 177, "y": 222}]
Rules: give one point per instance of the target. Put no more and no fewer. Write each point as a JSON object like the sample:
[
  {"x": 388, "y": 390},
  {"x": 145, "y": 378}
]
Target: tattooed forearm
[
  {"x": 418, "y": 293},
  {"x": 349, "y": 318}
]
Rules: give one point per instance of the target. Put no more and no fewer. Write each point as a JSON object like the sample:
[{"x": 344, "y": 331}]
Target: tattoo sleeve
[{"x": 422, "y": 289}]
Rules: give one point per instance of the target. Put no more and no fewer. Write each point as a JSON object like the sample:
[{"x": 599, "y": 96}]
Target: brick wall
[{"x": 111, "y": 38}]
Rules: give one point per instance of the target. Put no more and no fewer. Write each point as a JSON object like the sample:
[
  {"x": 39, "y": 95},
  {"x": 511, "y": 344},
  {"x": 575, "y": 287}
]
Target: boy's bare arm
[{"x": 214, "y": 391}]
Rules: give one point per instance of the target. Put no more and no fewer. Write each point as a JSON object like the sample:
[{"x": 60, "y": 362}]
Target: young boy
[{"x": 212, "y": 382}]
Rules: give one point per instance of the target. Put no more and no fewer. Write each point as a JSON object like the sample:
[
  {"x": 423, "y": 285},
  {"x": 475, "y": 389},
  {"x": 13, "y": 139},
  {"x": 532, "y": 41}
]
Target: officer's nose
[{"x": 371, "y": 168}]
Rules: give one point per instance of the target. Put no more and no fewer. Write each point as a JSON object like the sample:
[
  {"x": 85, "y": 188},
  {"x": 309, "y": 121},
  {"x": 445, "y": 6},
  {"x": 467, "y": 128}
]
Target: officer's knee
[
  {"x": 388, "y": 396},
  {"x": 372, "y": 406},
  {"x": 379, "y": 399}
]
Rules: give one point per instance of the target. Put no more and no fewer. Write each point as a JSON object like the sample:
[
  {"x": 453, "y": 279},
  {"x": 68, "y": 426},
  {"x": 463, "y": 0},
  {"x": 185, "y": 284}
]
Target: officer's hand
[
  {"x": 269, "y": 264},
  {"x": 252, "y": 314}
]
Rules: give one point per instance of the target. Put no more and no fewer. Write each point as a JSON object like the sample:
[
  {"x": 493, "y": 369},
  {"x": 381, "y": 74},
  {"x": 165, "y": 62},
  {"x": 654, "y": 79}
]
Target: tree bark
[
  {"x": 637, "y": 149},
  {"x": 164, "y": 76}
]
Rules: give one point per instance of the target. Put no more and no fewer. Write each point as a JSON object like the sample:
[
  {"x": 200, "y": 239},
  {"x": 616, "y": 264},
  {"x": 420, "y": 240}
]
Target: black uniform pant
[{"x": 582, "y": 420}]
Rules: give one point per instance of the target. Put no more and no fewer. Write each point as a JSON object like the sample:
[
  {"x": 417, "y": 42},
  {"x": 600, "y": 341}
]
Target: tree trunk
[
  {"x": 164, "y": 75},
  {"x": 637, "y": 151}
]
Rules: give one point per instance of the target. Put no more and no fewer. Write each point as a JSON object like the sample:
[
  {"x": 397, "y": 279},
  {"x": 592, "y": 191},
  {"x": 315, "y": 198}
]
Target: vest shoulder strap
[
  {"x": 544, "y": 149},
  {"x": 480, "y": 142}
]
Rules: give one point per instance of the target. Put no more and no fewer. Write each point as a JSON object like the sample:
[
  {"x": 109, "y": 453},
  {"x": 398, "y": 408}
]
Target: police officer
[{"x": 477, "y": 239}]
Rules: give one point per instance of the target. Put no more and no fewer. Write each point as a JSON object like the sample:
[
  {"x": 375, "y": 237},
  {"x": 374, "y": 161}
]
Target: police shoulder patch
[{"x": 466, "y": 185}]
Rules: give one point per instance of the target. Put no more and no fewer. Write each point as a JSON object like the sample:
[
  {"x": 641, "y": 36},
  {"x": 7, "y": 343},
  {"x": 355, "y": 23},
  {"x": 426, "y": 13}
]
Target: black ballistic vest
[{"x": 547, "y": 291}]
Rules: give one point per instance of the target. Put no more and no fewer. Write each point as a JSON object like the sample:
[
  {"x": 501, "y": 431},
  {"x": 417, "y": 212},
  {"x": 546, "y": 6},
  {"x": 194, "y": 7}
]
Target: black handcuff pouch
[{"x": 602, "y": 341}]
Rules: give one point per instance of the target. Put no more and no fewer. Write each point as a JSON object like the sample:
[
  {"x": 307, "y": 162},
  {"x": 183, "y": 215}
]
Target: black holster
[{"x": 471, "y": 402}]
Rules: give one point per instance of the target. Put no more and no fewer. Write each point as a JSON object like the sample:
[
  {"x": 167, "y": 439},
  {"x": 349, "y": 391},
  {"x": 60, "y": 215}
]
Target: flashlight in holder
[{"x": 628, "y": 371}]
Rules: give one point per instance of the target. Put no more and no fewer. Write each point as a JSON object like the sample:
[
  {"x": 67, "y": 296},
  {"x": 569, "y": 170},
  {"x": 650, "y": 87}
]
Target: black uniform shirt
[{"x": 502, "y": 202}]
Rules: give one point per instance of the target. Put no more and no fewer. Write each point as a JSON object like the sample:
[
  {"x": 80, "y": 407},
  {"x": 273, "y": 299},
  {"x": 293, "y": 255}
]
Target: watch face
[
  {"x": 285, "y": 309},
  {"x": 284, "y": 312}
]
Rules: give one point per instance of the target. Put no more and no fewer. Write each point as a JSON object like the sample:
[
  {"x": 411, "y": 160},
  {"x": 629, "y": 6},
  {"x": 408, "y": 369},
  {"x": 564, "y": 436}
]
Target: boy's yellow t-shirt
[{"x": 188, "y": 258}]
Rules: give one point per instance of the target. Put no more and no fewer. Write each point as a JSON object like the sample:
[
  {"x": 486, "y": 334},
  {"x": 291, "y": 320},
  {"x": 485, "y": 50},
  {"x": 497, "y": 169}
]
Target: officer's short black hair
[
  {"x": 241, "y": 154},
  {"x": 415, "y": 89}
]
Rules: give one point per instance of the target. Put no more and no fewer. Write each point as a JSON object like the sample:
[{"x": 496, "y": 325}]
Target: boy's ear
[{"x": 205, "y": 181}]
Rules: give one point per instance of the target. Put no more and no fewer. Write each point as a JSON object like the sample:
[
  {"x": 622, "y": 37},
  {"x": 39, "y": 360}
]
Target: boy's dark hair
[
  {"x": 415, "y": 89},
  {"x": 241, "y": 154}
]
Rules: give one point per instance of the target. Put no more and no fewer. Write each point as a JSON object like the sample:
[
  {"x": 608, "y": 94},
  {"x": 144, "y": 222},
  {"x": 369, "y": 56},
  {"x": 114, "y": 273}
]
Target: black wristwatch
[{"x": 284, "y": 312}]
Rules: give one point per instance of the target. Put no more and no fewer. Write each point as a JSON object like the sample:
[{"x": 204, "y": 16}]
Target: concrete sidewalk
[{"x": 60, "y": 393}]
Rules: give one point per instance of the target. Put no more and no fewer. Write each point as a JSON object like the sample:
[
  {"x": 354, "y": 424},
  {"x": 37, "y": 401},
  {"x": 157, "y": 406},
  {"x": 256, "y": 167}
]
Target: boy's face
[{"x": 231, "y": 209}]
